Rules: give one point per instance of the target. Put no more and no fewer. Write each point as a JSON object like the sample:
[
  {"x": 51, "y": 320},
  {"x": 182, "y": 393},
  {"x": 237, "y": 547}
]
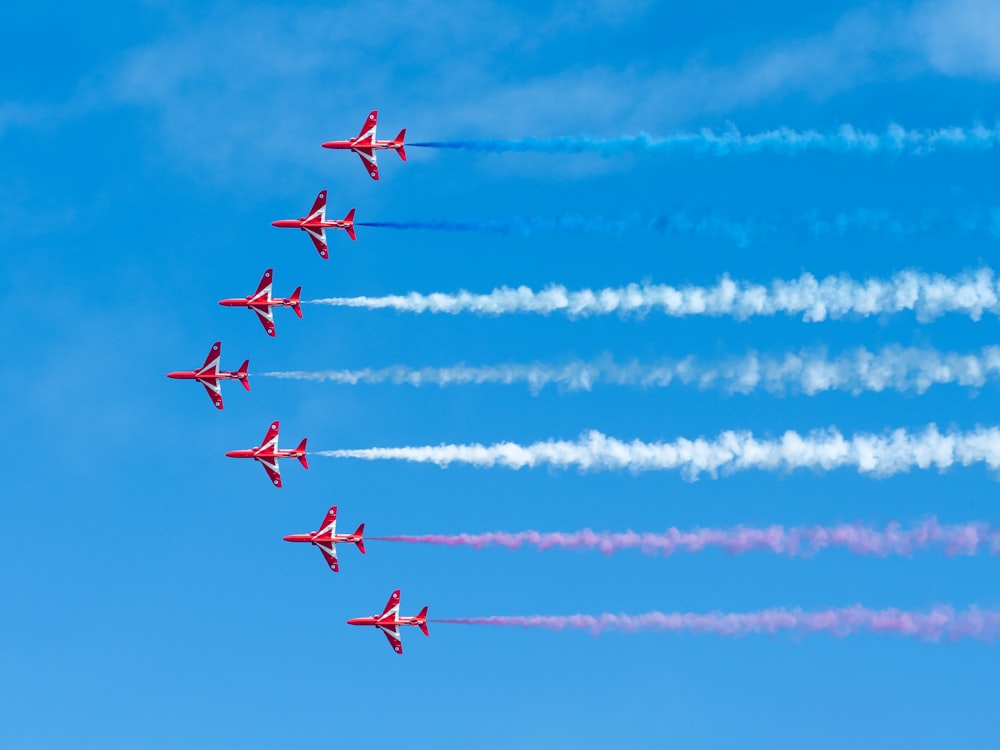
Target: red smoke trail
[
  {"x": 959, "y": 539},
  {"x": 939, "y": 623}
]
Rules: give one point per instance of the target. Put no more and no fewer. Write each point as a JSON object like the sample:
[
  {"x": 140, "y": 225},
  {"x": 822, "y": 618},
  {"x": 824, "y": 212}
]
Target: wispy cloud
[{"x": 259, "y": 80}]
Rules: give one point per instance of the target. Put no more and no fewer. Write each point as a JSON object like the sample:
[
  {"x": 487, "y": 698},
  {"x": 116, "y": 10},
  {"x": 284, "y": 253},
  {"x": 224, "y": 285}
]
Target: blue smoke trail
[
  {"x": 895, "y": 139},
  {"x": 812, "y": 225}
]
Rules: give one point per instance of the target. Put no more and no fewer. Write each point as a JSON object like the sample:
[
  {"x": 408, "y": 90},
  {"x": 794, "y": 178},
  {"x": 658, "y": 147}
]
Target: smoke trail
[
  {"x": 739, "y": 231},
  {"x": 964, "y": 539},
  {"x": 940, "y": 622},
  {"x": 890, "y": 368},
  {"x": 895, "y": 140},
  {"x": 928, "y": 295},
  {"x": 879, "y": 455}
]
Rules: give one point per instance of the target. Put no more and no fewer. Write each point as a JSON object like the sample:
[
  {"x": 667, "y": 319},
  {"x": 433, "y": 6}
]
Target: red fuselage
[
  {"x": 376, "y": 620},
  {"x": 356, "y": 143},
  {"x": 192, "y": 375},
  {"x": 246, "y": 302},
  {"x": 319, "y": 536},
  {"x": 306, "y": 223},
  {"x": 258, "y": 453}
]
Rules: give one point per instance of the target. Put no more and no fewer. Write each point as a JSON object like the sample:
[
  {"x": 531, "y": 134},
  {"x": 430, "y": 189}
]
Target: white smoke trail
[
  {"x": 895, "y": 139},
  {"x": 794, "y": 541},
  {"x": 928, "y": 295},
  {"x": 934, "y": 625},
  {"x": 891, "y": 368},
  {"x": 879, "y": 455}
]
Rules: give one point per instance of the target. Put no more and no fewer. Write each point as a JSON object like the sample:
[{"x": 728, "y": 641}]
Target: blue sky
[{"x": 144, "y": 151}]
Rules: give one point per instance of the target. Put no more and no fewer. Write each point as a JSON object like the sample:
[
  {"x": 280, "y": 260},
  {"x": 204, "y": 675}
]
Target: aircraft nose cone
[
  {"x": 172, "y": 375},
  {"x": 289, "y": 538},
  {"x": 232, "y": 454}
]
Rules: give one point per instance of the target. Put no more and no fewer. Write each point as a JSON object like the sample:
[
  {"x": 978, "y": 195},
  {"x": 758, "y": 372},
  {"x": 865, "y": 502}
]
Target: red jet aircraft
[
  {"x": 365, "y": 144},
  {"x": 261, "y": 302},
  {"x": 316, "y": 224},
  {"x": 327, "y": 538},
  {"x": 390, "y": 621},
  {"x": 269, "y": 453},
  {"x": 210, "y": 375}
]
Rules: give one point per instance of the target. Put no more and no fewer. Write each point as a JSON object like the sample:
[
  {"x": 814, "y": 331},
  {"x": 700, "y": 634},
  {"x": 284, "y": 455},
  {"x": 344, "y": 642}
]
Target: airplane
[
  {"x": 327, "y": 538},
  {"x": 261, "y": 302},
  {"x": 268, "y": 454},
  {"x": 316, "y": 224},
  {"x": 365, "y": 144},
  {"x": 210, "y": 375},
  {"x": 389, "y": 622}
]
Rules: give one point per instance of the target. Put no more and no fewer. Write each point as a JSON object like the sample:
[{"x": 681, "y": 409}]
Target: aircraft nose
[
  {"x": 232, "y": 454},
  {"x": 174, "y": 375}
]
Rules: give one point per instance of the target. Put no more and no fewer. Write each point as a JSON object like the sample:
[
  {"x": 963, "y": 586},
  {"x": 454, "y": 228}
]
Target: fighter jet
[
  {"x": 261, "y": 302},
  {"x": 268, "y": 454},
  {"x": 210, "y": 375},
  {"x": 389, "y": 622},
  {"x": 365, "y": 144},
  {"x": 327, "y": 538},
  {"x": 316, "y": 224}
]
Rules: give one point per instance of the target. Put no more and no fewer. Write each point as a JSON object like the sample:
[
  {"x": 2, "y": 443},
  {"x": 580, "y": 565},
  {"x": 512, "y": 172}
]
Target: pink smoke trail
[
  {"x": 959, "y": 539},
  {"x": 941, "y": 622}
]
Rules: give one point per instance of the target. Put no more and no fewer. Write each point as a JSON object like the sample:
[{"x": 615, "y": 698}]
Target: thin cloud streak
[
  {"x": 907, "y": 370},
  {"x": 939, "y": 623},
  {"x": 795, "y": 541},
  {"x": 879, "y": 455},
  {"x": 970, "y": 293}
]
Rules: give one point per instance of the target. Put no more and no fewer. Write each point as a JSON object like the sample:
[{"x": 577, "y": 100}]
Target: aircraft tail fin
[
  {"x": 302, "y": 457},
  {"x": 422, "y": 621},
  {"x": 398, "y": 144},
  {"x": 359, "y": 533},
  {"x": 294, "y": 299},
  {"x": 243, "y": 375},
  {"x": 349, "y": 220}
]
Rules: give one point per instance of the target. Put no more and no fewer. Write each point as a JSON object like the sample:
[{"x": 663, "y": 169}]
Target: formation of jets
[{"x": 262, "y": 304}]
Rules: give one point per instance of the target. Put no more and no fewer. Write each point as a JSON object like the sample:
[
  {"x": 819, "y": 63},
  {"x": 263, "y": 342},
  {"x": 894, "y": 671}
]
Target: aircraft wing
[
  {"x": 391, "y": 606},
  {"x": 330, "y": 555},
  {"x": 319, "y": 207},
  {"x": 273, "y": 472},
  {"x": 266, "y": 317},
  {"x": 368, "y": 159},
  {"x": 392, "y": 635},
  {"x": 211, "y": 366},
  {"x": 214, "y": 390},
  {"x": 368, "y": 129},
  {"x": 319, "y": 240},
  {"x": 330, "y": 521},
  {"x": 264, "y": 287},
  {"x": 271, "y": 438}
]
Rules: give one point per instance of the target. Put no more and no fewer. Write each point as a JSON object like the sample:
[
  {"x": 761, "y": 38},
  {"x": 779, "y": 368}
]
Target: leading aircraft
[
  {"x": 327, "y": 538},
  {"x": 316, "y": 224},
  {"x": 268, "y": 454},
  {"x": 389, "y": 622},
  {"x": 211, "y": 376},
  {"x": 261, "y": 302},
  {"x": 365, "y": 144}
]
